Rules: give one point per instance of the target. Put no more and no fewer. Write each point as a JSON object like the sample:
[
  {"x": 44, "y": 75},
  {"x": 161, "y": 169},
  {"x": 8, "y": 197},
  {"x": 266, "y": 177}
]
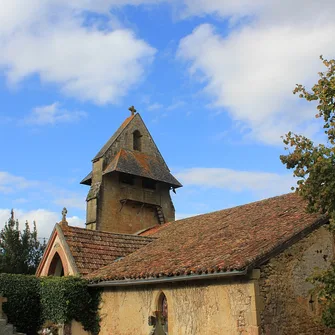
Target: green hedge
[
  {"x": 33, "y": 301},
  {"x": 68, "y": 298},
  {"x": 23, "y": 308}
]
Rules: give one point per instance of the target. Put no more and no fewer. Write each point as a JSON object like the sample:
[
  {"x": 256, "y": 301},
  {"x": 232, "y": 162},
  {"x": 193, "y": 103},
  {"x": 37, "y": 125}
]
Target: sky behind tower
[{"x": 212, "y": 80}]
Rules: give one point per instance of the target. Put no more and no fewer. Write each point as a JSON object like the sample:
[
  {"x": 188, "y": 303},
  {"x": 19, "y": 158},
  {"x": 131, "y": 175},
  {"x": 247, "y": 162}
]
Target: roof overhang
[{"x": 135, "y": 282}]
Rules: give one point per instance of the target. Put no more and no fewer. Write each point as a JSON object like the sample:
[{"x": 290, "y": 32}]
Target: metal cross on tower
[
  {"x": 64, "y": 212},
  {"x": 132, "y": 110}
]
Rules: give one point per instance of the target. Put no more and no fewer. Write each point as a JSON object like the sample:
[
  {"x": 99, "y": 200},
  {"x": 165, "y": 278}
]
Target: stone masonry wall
[
  {"x": 287, "y": 306},
  {"x": 104, "y": 210},
  {"x": 131, "y": 217}
]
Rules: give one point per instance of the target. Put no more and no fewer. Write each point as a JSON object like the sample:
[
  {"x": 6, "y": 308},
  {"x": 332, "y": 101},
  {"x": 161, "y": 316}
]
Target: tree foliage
[
  {"x": 20, "y": 251},
  {"x": 314, "y": 166}
]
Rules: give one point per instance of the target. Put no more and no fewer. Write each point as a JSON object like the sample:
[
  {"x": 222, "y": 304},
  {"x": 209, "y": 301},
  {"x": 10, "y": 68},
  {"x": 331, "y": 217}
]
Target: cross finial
[
  {"x": 64, "y": 212},
  {"x": 132, "y": 110}
]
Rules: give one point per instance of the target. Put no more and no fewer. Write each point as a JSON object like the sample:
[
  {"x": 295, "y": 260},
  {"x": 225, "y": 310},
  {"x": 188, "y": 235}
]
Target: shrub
[
  {"x": 68, "y": 298},
  {"x": 33, "y": 301},
  {"x": 23, "y": 308}
]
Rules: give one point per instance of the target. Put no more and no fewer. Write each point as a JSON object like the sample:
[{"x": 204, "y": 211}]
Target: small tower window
[
  {"x": 148, "y": 183},
  {"x": 137, "y": 145},
  {"x": 126, "y": 178}
]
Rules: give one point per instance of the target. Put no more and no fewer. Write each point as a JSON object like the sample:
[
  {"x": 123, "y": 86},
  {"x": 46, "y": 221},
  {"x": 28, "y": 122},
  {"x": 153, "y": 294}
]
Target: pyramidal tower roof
[{"x": 119, "y": 154}]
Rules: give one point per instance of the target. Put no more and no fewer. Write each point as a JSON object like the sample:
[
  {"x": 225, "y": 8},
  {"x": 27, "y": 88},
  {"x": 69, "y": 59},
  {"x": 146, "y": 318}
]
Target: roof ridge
[
  {"x": 114, "y": 161},
  {"x": 235, "y": 207},
  {"x": 105, "y": 232},
  {"x": 160, "y": 228}
]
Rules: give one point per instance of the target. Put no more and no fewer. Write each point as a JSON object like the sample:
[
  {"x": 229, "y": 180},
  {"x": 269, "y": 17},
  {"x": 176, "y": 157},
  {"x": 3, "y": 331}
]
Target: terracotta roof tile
[
  {"x": 226, "y": 240},
  {"x": 143, "y": 165},
  {"x": 93, "y": 249}
]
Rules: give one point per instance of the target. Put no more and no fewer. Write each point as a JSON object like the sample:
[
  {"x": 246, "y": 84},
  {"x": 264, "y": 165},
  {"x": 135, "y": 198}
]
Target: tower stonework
[{"x": 130, "y": 182}]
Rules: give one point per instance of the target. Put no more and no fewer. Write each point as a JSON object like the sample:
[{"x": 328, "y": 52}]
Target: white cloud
[
  {"x": 176, "y": 105},
  {"x": 155, "y": 106},
  {"x": 252, "y": 71},
  {"x": 40, "y": 191},
  {"x": 76, "y": 201},
  {"x": 45, "y": 220},
  {"x": 52, "y": 40},
  {"x": 270, "y": 12},
  {"x": 261, "y": 183},
  {"x": 10, "y": 183},
  {"x": 52, "y": 114}
]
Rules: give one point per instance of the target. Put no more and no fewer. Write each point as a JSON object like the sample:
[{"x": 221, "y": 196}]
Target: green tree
[
  {"x": 20, "y": 251},
  {"x": 314, "y": 166}
]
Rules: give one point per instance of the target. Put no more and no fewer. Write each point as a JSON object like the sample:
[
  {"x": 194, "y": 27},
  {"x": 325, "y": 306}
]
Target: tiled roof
[
  {"x": 93, "y": 249},
  {"x": 227, "y": 240},
  {"x": 153, "y": 230},
  {"x": 114, "y": 137},
  {"x": 143, "y": 165}
]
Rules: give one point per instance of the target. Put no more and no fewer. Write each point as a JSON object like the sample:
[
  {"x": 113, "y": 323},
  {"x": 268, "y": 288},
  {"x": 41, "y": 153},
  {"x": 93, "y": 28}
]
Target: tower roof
[
  {"x": 143, "y": 165},
  {"x": 109, "y": 143},
  {"x": 118, "y": 156}
]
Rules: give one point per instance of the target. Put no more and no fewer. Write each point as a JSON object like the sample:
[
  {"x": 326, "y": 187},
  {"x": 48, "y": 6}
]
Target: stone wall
[
  {"x": 213, "y": 307},
  {"x": 287, "y": 305},
  {"x": 125, "y": 141},
  {"x": 131, "y": 217}
]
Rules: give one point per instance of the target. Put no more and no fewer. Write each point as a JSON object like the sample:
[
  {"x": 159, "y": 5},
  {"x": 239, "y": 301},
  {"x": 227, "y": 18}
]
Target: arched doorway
[
  {"x": 162, "y": 316},
  {"x": 56, "y": 266}
]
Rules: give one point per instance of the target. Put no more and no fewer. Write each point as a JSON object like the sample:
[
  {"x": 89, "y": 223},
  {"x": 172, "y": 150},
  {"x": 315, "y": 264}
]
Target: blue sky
[{"x": 212, "y": 80}]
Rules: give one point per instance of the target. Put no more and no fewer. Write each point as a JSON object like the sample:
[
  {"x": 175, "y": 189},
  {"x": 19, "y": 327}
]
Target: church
[{"x": 235, "y": 271}]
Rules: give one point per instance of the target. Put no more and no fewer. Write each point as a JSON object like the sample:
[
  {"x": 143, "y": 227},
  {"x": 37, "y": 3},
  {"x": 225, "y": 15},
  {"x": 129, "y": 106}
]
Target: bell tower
[{"x": 130, "y": 182}]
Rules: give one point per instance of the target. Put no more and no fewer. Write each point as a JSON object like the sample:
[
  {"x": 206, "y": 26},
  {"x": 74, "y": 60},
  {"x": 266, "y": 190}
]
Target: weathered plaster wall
[
  {"x": 287, "y": 305},
  {"x": 214, "y": 307},
  {"x": 77, "y": 329}
]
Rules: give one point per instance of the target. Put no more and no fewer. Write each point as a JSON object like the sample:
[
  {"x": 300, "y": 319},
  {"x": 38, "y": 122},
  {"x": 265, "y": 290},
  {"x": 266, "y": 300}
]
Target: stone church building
[{"x": 236, "y": 271}]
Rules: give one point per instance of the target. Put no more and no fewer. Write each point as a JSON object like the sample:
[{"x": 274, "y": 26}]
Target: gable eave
[
  {"x": 57, "y": 231},
  {"x": 46, "y": 252}
]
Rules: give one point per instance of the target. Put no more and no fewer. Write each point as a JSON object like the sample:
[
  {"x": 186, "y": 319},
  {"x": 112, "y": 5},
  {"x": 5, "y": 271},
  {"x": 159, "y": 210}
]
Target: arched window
[
  {"x": 163, "y": 312},
  {"x": 56, "y": 266},
  {"x": 137, "y": 145}
]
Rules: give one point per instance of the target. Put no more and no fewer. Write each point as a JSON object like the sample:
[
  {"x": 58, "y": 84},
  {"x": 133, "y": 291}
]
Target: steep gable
[
  {"x": 123, "y": 139},
  {"x": 82, "y": 251},
  {"x": 92, "y": 250}
]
